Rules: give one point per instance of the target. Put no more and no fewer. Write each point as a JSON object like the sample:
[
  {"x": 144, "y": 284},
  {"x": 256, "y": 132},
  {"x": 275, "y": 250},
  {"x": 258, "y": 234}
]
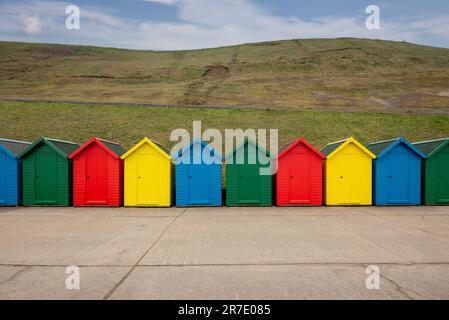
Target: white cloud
[
  {"x": 202, "y": 23},
  {"x": 166, "y": 2},
  {"x": 222, "y": 13},
  {"x": 31, "y": 24}
]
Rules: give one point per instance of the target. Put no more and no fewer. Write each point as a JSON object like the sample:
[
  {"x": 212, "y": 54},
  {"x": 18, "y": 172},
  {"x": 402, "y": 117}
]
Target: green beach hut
[
  {"x": 435, "y": 171},
  {"x": 246, "y": 185},
  {"x": 47, "y": 173}
]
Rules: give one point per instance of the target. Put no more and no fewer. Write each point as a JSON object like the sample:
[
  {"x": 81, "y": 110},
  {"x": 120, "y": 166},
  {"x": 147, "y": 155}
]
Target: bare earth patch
[{"x": 216, "y": 71}]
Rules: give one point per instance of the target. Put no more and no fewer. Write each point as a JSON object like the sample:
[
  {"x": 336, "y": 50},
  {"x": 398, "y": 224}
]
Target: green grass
[
  {"x": 343, "y": 74},
  {"x": 127, "y": 125}
]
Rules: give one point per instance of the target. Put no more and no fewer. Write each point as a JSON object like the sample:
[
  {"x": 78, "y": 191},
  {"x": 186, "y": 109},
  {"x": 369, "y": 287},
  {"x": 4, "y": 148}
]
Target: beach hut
[
  {"x": 396, "y": 172},
  {"x": 247, "y": 180},
  {"x": 47, "y": 173},
  {"x": 198, "y": 175},
  {"x": 10, "y": 171},
  {"x": 149, "y": 175},
  {"x": 348, "y": 173},
  {"x": 299, "y": 175},
  {"x": 435, "y": 171},
  {"x": 98, "y": 174}
]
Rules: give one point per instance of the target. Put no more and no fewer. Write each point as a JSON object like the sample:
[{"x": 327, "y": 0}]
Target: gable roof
[
  {"x": 293, "y": 144},
  {"x": 335, "y": 147},
  {"x": 13, "y": 147},
  {"x": 431, "y": 147},
  {"x": 63, "y": 148},
  {"x": 245, "y": 142},
  {"x": 331, "y": 147},
  {"x": 114, "y": 149},
  {"x": 381, "y": 148},
  {"x": 204, "y": 144},
  {"x": 157, "y": 146}
]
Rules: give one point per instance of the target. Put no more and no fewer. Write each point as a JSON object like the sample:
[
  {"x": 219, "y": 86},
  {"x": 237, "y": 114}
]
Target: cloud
[
  {"x": 202, "y": 24},
  {"x": 222, "y": 13},
  {"x": 166, "y": 2},
  {"x": 31, "y": 25}
]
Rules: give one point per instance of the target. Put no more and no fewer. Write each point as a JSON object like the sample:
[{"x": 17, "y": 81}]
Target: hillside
[
  {"x": 127, "y": 125},
  {"x": 335, "y": 74}
]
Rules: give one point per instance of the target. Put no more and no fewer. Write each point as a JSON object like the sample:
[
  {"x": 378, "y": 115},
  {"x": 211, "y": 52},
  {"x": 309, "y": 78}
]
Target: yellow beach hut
[
  {"x": 348, "y": 173},
  {"x": 148, "y": 177}
]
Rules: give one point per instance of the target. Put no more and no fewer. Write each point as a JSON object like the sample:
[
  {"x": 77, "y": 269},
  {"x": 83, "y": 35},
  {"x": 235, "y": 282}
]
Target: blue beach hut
[
  {"x": 198, "y": 175},
  {"x": 10, "y": 171},
  {"x": 396, "y": 172}
]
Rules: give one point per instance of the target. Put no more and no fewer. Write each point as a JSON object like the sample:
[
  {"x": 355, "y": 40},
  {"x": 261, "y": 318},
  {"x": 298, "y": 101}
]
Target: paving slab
[
  {"x": 435, "y": 225},
  {"x": 101, "y": 212},
  {"x": 9, "y": 272},
  {"x": 50, "y": 282},
  {"x": 275, "y": 211},
  {"x": 253, "y": 282},
  {"x": 404, "y": 210},
  {"x": 398, "y": 235},
  {"x": 267, "y": 235},
  {"x": 89, "y": 236},
  {"x": 423, "y": 281}
]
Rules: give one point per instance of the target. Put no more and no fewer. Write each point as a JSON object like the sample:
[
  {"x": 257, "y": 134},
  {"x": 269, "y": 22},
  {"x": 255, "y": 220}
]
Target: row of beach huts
[{"x": 52, "y": 172}]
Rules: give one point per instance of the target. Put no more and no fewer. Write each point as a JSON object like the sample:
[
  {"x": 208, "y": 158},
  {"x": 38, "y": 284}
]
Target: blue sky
[{"x": 191, "y": 24}]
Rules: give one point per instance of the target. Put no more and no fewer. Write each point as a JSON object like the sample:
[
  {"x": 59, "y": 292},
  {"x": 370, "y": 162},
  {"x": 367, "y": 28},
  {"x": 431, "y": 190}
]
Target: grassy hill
[
  {"x": 128, "y": 125},
  {"x": 381, "y": 89},
  {"x": 336, "y": 74}
]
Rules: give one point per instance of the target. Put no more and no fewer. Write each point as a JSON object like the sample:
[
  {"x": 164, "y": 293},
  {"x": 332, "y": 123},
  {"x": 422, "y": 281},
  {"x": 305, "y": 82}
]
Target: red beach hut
[
  {"x": 98, "y": 174},
  {"x": 299, "y": 178}
]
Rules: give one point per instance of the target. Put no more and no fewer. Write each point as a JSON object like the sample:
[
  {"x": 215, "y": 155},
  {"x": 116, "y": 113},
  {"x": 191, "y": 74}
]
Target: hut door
[
  {"x": 148, "y": 179},
  {"x": 443, "y": 178},
  {"x": 198, "y": 184},
  {"x": 300, "y": 171},
  {"x": 96, "y": 178},
  {"x": 2, "y": 178},
  {"x": 46, "y": 182},
  {"x": 249, "y": 184},
  {"x": 348, "y": 179},
  {"x": 397, "y": 178}
]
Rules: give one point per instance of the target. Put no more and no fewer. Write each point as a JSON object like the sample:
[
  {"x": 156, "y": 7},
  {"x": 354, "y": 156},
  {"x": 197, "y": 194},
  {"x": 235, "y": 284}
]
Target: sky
[{"x": 195, "y": 24}]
